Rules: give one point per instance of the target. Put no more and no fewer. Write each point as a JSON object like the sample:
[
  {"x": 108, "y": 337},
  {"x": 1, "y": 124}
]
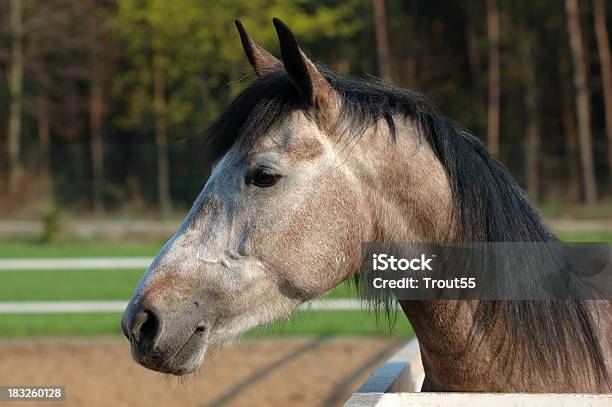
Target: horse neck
[
  {"x": 407, "y": 188},
  {"x": 411, "y": 200}
]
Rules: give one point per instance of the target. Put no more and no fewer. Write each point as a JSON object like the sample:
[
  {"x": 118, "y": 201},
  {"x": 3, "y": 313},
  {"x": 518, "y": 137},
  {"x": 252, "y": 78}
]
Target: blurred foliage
[
  {"x": 436, "y": 47},
  {"x": 202, "y": 48}
]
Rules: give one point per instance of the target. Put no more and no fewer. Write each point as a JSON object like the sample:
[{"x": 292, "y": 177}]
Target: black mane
[{"x": 488, "y": 206}]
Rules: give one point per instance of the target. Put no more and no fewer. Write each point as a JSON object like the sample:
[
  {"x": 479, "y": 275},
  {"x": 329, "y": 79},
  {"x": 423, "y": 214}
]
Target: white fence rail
[
  {"x": 397, "y": 383},
  {"x": 484, "y": 400},
  {"x": 86, "y": 263},
  {"x": 69, "y": 307}
]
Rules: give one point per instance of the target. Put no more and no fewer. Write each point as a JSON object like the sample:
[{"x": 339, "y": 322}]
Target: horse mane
[{"x": 488, "y": 206}]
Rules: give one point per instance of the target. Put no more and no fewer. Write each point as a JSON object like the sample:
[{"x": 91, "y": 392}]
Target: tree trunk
[
  {"x": 408, "y": 66},
  {"x": 382, "y": 43},
  {"x": 15, "y": 78},
  {"x": 161, "y": 137},
  {"x": 72, "y": 129},
  {"x": 96, "y": 111},
  {"x": 605, "y": 63},
  {"x": 583, "y": 108},
  {"x": 569, "y": 124},
  {"x": 532, "y": 125},
  {"x": 473, "y": 50},
  {"x": 45, "y": 150},
  {"x": 494, "y": 77}
]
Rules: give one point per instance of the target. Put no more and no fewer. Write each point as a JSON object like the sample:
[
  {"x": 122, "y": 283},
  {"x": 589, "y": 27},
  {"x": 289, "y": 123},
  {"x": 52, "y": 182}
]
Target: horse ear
[
  {"x": 262, "y": 61},
  {"x": 313, "y": 86}
]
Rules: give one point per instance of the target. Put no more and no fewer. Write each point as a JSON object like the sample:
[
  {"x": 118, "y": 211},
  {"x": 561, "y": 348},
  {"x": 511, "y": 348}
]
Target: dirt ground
[{"x": 267, "y": 372}]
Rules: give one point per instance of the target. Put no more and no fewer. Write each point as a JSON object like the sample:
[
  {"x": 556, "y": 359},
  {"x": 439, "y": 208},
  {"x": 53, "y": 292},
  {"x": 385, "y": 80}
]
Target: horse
[{"x": 312, "y": 164}]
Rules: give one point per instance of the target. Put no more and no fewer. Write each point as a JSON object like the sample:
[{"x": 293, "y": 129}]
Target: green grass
[
  {"x": 588, "y": 236},
  {"x": 68, "y": 285},
  {"x": 28, "y": 248},
  {"x": 302, "y": 323}
]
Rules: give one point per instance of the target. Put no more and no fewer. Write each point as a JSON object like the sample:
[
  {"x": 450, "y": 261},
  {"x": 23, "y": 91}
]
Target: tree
[
  {"x": 605, "y": 64},
  {"x": 583, "y": 108},
  {"x": 43, "y": 51},
  {"x": 161, "y": 136},
  {"x": 382, "y": 42},
  {"x": 148, "y": 76},
  {"x": 15, "y": 80},
  {"x": 96, "y": 109},
  {"x": 44, "y": 135},
  {"x": 472, "y": 40},
  {"x": 152, "y": 33},
  {"x": 568, "y": 116},
  {"x": 532, "y": 123},
  {"x": 494, "y": 77},
  {"x": 177, "y": 54}
]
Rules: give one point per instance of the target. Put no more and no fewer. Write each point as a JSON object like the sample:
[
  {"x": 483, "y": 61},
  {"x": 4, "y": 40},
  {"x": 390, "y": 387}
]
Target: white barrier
[
  {"x": 402, "y": 372},
  {"x": 69, "y": 307},
  {"x": 481, "y": 400},
  {"x": 397, "y": 383},
  {"x": 85, "y": 263}
]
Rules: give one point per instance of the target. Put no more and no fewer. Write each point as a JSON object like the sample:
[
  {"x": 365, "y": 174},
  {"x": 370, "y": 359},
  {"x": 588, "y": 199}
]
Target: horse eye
[{"x": 264, "y": 177}]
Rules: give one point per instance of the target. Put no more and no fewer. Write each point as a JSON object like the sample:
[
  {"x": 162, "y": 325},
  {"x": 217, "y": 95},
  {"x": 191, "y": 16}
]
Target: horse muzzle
[{"x": 170, "y": 343}]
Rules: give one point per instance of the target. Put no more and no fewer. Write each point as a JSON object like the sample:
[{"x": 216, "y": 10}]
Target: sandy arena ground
[{"x": 267, "y": 372}]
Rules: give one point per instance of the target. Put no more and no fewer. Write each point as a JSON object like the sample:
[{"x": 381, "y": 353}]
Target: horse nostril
[
  {"x": 200, "y": 329},
  {"x": 145, "y": 327}
]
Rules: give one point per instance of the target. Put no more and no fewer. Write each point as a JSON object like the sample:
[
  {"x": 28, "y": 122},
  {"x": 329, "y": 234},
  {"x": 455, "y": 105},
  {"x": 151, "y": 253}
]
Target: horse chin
[
  {"x": 186, "y": 360},
  {"x": 191, "y": 355}
]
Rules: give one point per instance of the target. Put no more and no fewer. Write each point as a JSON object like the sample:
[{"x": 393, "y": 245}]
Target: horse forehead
[
  {"x": 297, "y": 140},
  {"x": 302, "y": 148}
]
